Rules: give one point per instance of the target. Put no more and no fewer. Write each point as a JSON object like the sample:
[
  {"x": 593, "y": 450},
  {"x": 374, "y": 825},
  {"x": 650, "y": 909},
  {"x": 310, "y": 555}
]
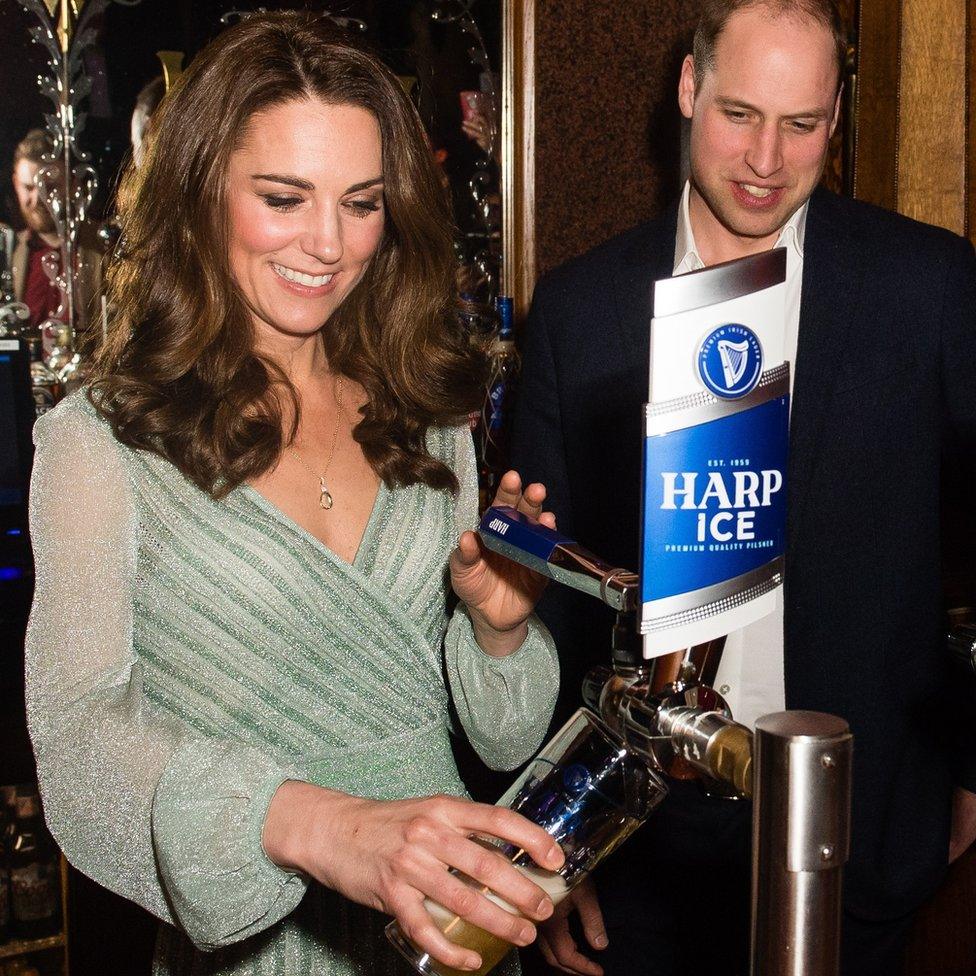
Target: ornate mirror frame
[{"x": 518, "y": 156}]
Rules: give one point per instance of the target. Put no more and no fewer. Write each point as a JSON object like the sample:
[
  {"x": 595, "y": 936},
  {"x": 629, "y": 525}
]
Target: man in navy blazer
[{"x": 884, "y": 362}]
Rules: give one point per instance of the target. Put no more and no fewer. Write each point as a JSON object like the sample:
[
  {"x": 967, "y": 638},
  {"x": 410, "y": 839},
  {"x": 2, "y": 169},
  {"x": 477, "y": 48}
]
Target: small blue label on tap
[{"x": 518, "y": 530}]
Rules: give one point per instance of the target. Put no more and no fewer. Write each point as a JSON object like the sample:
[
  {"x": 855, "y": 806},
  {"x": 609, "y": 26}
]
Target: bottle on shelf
[
  {"x": 496, "y": 416},
  {"x": 35, "y": 890},
  {"x": 45, "y": 384},
  {"x": 73, "y": 373}
]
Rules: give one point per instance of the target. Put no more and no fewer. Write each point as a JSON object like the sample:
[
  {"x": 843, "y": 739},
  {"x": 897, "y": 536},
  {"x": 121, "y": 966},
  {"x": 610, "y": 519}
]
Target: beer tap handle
[{"x": 528, "y": 542}]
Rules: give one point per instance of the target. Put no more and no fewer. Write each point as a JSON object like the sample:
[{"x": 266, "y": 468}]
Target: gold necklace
[{"x": 325, "y": 496}]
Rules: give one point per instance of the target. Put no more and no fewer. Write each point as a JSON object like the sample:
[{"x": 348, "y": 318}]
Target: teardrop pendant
[{"x": 325, "y": 496}]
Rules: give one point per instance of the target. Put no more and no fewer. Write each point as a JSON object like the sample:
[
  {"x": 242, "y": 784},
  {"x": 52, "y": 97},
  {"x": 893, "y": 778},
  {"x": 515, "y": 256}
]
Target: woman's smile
[{"x": 305, "y": 282}]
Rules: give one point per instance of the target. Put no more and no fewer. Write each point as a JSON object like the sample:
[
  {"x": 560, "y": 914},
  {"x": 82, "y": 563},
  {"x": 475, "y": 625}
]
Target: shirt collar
[{"x": 686, "y": 256}]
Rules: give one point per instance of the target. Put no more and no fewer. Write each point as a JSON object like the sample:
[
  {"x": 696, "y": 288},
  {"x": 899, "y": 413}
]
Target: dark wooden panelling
[
  {"x": 971, "y": 119},
  {"x": 607, "y": 134},
  {"x": 837, "y": 176},
  {"x": 932, "y": 112},
  {"x": 876, "y": 161}
]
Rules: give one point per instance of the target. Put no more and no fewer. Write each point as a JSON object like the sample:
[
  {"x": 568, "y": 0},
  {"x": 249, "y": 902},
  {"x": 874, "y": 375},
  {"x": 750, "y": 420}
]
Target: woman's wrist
[
  {"x": 300, "y": 813},
  {"x": 283, "y": 824},
  {"x": 495, "y": 642}
]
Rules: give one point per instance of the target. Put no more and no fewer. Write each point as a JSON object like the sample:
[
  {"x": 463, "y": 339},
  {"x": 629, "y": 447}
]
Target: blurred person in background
[{"x": 38, "y": 237}]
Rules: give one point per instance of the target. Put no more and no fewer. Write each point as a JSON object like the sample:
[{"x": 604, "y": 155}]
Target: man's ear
[
  {"x": 836, "y": 118},
  {"x": 686, "y": 87}
]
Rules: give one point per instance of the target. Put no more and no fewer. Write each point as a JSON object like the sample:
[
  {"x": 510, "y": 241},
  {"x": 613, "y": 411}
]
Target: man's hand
[
  {"x": 963, "y": 823},
  {"x": 557, "y": 945}
]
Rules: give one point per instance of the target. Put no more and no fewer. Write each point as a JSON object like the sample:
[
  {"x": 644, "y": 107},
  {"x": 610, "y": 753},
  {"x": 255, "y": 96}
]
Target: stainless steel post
[{"x": 800, "y": 842}]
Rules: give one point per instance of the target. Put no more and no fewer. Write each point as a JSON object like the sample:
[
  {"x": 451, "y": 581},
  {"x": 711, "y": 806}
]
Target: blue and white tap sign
[{"x": 715, "y": 449}]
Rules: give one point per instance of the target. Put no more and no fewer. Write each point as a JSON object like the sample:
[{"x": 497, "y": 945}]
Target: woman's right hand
[{"x": 390, "y": 855}]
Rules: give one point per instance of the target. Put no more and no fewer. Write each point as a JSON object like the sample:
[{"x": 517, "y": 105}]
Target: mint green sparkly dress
[{"x": 186, "y": 656}]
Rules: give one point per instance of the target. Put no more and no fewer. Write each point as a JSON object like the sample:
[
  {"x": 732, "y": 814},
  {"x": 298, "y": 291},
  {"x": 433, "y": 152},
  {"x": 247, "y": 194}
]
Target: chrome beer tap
[
  {"x": 663, "y": 707},
  {"x": 666, "y": 709}
]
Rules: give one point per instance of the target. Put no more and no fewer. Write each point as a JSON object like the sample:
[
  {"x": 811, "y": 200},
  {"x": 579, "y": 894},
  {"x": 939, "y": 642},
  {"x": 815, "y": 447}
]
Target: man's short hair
[
  {"x": 35, "y": 147},
  {"x": 716, "y": 14}
]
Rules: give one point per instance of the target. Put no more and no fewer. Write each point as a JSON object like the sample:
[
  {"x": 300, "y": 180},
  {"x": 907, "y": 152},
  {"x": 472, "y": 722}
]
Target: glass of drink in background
[{"x": 590, "y": 793}]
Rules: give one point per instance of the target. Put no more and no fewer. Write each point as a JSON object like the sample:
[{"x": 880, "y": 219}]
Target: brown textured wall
[
  {"x": 876, "y": 162},
  {"x": 932, "y": 113},
  {"x": 916, "y": 149},
  {"x": 607, "y": 124},
  {"x": 838, "y": 173},
  {"x": 971, "y": 120}
]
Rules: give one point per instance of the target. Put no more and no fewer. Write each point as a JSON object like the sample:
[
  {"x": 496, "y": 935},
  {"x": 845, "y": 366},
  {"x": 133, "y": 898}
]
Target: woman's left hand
[{"x": 500, "y": 594}]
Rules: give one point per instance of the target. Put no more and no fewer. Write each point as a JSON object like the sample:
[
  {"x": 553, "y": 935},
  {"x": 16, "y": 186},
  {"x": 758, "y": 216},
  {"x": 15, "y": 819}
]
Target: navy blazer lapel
[
  {"x": 648, "y": 258},
  {"x": 828, "y": 303}
]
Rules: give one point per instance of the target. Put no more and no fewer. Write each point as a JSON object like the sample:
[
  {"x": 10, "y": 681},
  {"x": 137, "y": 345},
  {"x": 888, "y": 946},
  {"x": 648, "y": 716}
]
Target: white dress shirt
[{"x": 750, "y": 676}]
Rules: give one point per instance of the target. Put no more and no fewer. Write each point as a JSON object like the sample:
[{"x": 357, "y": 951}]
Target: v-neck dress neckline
[{"x": 368, "y": 543}]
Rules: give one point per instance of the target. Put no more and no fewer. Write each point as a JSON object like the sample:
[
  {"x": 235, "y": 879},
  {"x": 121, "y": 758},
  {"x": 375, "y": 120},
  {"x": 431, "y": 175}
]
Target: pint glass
[{"x": 586, "y": 789}]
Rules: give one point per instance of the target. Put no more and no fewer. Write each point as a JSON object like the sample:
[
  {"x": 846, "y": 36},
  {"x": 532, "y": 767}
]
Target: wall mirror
[{"x": 77, "y": 68}]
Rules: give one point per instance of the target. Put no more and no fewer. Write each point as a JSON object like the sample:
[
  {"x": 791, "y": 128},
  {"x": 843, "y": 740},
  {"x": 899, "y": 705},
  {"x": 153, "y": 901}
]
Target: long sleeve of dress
[
  {"x": 137, "y": 801},
  {"x": 504, "y": 704}
]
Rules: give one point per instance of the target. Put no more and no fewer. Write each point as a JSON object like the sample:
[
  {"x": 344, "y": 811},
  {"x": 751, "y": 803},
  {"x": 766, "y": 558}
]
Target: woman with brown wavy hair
[{"x": 244, "y": 531}]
